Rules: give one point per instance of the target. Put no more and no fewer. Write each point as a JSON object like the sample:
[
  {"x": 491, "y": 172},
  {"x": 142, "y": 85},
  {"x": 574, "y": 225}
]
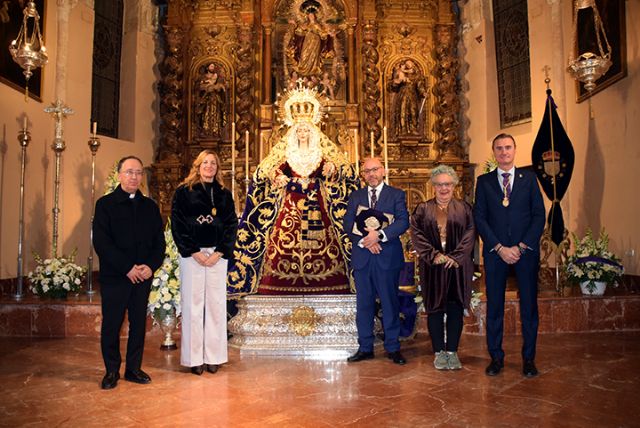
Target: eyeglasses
[
  {"x": 367, "y": 171},
  {"x": 443, "y": 184},
  {"x": 133, "y": 172}
]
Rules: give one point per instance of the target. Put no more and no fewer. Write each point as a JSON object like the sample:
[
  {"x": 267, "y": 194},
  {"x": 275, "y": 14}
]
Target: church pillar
[
  {"x": 266, "y": 65},
  {"x": 62, "y": 49}
]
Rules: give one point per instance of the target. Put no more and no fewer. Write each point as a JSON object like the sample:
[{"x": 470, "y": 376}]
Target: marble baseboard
[
  {"x": 617, "y": 310},
  {"x": 55, "y": 319}
]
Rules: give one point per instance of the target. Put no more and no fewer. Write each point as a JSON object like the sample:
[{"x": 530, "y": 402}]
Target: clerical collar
[{"x": 132, "y": 195}]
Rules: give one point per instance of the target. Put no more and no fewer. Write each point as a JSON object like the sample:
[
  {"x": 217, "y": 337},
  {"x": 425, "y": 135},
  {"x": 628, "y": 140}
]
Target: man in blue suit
[
  {"x": 509, "y": 215},
  {"x": 376, "y": 259}
]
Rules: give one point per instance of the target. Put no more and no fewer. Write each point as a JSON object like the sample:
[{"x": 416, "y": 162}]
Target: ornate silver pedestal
[{"x": 322, "y": 327}]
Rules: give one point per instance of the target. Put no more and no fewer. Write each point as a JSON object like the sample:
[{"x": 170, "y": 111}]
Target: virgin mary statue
[{"x": 290, "y": 239}]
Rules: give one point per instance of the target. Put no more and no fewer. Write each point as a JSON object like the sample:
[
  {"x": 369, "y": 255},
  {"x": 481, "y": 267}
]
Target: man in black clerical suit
[
  {"x": 129, "y": 240},
  {"x": 509, "y": 215}
]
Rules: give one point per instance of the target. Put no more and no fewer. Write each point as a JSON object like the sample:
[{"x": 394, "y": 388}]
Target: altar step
[{"x": 617, "y": 310}]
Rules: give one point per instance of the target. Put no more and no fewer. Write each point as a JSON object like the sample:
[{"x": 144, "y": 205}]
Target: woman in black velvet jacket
[{"x": 204, "y": 225}]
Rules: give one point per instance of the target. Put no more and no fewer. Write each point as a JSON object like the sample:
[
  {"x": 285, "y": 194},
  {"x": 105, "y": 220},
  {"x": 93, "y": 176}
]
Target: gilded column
[
  {"x": 351, "y": 54},
  {"x": 371, "y": 78},
  {"x": 447, "y": 105},
  {"x": 266, "y": 64}
]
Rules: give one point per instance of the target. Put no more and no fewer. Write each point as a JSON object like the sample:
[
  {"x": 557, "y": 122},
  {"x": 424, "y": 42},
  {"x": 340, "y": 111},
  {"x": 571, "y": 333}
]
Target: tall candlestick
[
  {"x": 372, "y": 150},
  {"x": 233, "y": 160},
  {"x": 356, "y": 143},
  {"x": 246, "y": 155},
  {"x": 23, "y": 138},
  {"x": 95, "y": 129},
  {"x": 386, "y": 155}
]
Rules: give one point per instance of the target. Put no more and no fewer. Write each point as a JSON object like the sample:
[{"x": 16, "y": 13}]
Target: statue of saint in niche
[
  {"x": 408, "y": 89},
  {"x": 309, "y": 39},
  {"x": 211, "y": 102}
]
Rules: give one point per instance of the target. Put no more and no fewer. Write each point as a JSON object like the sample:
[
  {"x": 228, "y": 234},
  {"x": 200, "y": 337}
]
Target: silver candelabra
[{"x": 59, "y": 111}]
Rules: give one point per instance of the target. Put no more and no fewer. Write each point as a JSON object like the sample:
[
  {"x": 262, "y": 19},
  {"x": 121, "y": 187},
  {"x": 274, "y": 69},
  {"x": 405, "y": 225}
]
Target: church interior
[{"x": 416, "y": 83}]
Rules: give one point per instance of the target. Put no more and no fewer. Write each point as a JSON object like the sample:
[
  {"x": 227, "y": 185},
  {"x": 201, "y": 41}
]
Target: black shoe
[
  {"x": 397, "y": 358},
  {"x": 137, "y": 376},
  {"x": 197, "y": 370},
  {"x": 494, "y": 368},
  {"x": 529, "y": 368},
  {"x": 110, "y": 380},
  {"x": 212, "y": 368},
  {"x": 360, "y": 356}
]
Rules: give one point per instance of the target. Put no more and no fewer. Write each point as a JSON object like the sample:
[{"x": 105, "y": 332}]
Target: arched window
[
  {"x": 511, "y": 26},
  {"x": 107, "y": 49}
]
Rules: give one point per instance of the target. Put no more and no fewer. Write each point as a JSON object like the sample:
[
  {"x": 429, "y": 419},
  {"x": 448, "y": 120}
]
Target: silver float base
[{"x": 314, "y": 327}]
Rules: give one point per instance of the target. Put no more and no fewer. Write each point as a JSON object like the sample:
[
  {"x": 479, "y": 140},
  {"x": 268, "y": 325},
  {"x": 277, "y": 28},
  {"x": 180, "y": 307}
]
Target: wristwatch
[{"x": 380, "y": 235}]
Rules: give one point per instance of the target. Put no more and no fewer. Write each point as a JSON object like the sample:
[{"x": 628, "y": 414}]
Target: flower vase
[
  {"x": 168, "y": 325},
  {"x": 595, "y": 288}
]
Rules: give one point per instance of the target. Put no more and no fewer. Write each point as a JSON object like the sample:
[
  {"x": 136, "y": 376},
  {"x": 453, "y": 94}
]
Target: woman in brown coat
[{"x": 443, "y": 234}]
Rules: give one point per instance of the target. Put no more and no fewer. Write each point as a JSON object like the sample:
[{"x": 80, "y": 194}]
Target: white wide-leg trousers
[{"x": 204, "y": 313}]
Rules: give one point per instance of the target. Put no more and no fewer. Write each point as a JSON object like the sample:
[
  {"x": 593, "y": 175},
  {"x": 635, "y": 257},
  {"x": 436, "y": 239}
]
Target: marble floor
[{"x": 587, "y": 379}]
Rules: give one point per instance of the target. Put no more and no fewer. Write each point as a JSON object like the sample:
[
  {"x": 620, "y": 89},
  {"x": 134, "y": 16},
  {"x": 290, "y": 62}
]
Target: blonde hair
[{"x": 194, "y": 173}]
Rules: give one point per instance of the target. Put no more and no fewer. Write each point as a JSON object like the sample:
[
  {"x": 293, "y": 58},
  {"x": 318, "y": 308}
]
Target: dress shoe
[
  {"x": 110, "y": 380},
  {"x": 137, "y": 376},
  {"x": 197, "y": 370},
  {"x": 397, "y": 358},
  {"x": 212, "y": 368},
  {"x": 494, "y": 368},
  {"x": 360, "y": 356},
  {"x": 529, "y": 368}
]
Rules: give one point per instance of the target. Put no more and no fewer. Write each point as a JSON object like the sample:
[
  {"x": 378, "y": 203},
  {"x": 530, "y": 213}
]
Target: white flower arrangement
[
  {"x": 490, "y": 165},
  {"x": 164, "y": 298},
  {"x": 56, "y": 277},
  {"x": 593, "y": 262}
]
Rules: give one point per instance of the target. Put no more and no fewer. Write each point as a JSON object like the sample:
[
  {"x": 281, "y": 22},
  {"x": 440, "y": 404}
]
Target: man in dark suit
[
  {"x": 129, "y": 240},
  {"x": 376, "y": 259},
  {"x": 509, "y": 214}
]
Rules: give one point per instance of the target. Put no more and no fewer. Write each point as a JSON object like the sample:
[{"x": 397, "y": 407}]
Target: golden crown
[{"x": 300, "y": 104}]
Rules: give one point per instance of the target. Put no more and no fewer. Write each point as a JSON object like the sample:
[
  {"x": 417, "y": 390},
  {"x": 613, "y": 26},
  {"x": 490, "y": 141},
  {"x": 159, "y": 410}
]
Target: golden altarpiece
[
  {"x": 386, "y": 63},
  {"x": 382, "y": 66}
]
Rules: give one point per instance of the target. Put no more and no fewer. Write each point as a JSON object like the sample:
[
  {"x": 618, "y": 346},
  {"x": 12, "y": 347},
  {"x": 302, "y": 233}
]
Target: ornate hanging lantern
[
  {"x": 28, "y": 50},
  {"x": 588, "y": 67}
]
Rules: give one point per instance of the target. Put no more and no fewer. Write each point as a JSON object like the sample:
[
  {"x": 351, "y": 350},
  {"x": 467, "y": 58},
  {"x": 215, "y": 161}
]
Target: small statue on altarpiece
[
  {"x": 211, "y": 102},
  {"x": 408, "y": 89},
  {"x": 309, "y": 41}
]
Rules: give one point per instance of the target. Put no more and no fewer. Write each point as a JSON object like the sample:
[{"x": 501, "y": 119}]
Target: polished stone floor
[{"x": 586, "y": 380}]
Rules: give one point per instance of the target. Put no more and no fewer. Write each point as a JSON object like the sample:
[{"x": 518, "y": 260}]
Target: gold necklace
[{"x": 443, "y": 207}]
